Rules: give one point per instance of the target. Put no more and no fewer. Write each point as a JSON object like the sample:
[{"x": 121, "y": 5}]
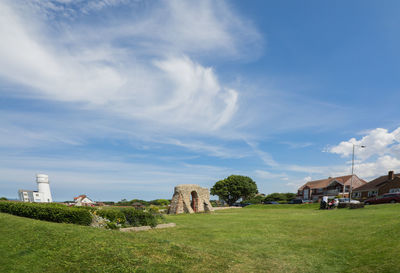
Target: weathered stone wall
[{"x": 180, "y": 202}]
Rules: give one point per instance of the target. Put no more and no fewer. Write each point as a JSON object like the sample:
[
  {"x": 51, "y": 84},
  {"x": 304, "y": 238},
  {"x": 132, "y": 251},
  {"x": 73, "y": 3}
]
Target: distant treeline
[
  {"x": 156, "y": 202},
  {"x": 276, "y": 196}
]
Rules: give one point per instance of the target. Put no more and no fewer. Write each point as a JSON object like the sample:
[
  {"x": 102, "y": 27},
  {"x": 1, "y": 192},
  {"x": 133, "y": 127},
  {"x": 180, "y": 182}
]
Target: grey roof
[{"x": 26, "y": 191}]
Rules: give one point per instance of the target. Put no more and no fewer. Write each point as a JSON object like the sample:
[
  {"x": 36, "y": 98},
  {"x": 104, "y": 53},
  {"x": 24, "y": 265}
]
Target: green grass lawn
[{"x": 281, "y": 238}]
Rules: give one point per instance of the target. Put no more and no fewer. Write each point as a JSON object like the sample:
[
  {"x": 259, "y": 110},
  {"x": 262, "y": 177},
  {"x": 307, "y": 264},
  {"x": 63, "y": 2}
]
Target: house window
[
  {"x": 319, "y": 190},
  {"x": 372, "y": 193},
  {"x": 394, "y": 190},
  {"x": 356, "y": 194}
]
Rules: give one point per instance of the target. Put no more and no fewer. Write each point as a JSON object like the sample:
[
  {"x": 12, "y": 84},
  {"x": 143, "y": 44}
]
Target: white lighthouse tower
[{"x": 42, "y": 181}]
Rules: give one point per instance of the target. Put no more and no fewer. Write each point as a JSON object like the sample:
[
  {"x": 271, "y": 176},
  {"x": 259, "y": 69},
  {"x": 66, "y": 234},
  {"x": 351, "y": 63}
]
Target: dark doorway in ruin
[{"x": 194, "y": 201}]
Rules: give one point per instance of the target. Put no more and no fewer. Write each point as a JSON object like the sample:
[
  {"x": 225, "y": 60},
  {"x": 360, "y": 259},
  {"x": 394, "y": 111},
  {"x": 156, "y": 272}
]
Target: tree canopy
[
  {"x": 283, "y": 197},
  {"x": 160, "y": 202},
  {"x": 234, "y": 187}
]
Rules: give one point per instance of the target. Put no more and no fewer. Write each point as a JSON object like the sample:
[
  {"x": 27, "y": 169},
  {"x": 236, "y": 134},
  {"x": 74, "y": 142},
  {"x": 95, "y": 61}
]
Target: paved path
[{"x": 169, "y": 225}]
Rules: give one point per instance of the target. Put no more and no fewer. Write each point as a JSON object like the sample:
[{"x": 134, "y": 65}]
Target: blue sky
[{"x": 126, "y": 99}]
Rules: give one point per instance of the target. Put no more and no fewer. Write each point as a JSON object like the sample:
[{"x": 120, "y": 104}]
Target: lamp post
[{"x": 352, "y": 171}]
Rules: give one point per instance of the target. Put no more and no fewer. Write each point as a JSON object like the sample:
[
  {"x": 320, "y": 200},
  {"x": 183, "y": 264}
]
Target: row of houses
[{"x": 340, "y": 186}]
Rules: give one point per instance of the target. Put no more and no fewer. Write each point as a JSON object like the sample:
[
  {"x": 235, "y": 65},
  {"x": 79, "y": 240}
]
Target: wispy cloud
[
  {"x": 264, "y": 156},
  {"x": 154, "y": 82},
  {"x": 269, "y": 175},
  {"x": 108, "y": 178},
  {"x": 297, "y": 145}
]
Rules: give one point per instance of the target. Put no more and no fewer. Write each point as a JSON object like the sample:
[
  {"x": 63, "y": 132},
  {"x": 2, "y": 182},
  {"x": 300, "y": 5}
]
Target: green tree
[
  {"x": 3, "y": 198},
  {"x": 234, "y": 187},
  {"x": 160, "y": 202},
  {"x": 280, "y": 197},
  {"x": 254, "y": 200},
  {"x": 290, "y": 196},
  {"x": 276, "y": 196}
]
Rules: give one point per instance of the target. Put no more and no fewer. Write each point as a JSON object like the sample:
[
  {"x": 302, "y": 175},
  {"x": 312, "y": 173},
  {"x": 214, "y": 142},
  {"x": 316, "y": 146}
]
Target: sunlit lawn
[{"x": 268, "y": 238}]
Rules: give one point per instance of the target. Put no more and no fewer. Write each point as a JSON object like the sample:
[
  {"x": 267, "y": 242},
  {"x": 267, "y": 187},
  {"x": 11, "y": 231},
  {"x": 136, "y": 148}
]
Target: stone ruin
[{"x": 190, "y": 198}]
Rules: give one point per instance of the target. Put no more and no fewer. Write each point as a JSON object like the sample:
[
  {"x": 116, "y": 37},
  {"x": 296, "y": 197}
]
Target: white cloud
[
  {"x": 152, "y": 79},
  {"x": 381, "y": 152},
  {"x": 379, "y": 167},
  {"x": 204, "y": 148},
  {"x": 296, "y": 183},
  {"x": 377, "y": 141},
  {"x": 306, "y": 179}
]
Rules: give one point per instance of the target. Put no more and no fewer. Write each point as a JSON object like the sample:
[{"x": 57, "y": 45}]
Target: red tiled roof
[
  {"x": 373, "y": 184},
  {"x": 323, "y": 183},
  {"x": 80, "y": 196}
]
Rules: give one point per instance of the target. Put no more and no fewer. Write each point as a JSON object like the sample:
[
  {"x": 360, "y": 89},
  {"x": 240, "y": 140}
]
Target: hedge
[
  {"x": 49, "y": 212},
  {"x": 112, "y": 214},
  {"x": 350, "y": 205},
  {"x": 343, "y": 205},
  {"x": 136, "y": 218},
  {"x": 129, "y": 216},
  {"x": 356, "y": 206}
]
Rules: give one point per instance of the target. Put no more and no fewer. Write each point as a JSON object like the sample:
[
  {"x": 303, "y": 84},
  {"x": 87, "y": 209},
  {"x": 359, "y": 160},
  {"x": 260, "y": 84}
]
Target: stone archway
[
  {"x": 194, "y": 202},
  {"x": 190, "y": 198}
]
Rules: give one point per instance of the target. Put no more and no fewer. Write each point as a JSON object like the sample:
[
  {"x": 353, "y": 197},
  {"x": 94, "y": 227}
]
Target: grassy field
[{"x": 268, "y": 238}]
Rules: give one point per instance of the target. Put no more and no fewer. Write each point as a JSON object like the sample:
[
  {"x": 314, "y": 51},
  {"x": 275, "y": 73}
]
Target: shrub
[
  {"x": 136, "y": 218},
  {"x": 111, "y": 225},
  {"x": 343, "y": 205},
  {"x": 154, "y": 210},
  {"x": 91, "y": 209},
  {"x": 129, "y": 216},
  {"x": 356, "y": 206},
  {"x": 49, "y": 212},
  {"x": 113, "y": 214}
]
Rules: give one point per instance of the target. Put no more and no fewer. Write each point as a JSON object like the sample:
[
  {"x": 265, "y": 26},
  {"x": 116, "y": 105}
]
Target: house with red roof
[
  {"x": 331, "y": 186},
  {"x": 83, "y": 200}
]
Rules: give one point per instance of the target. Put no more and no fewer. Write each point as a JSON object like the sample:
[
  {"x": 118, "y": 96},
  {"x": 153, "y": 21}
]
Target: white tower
[{"x": 44, "y": 188}]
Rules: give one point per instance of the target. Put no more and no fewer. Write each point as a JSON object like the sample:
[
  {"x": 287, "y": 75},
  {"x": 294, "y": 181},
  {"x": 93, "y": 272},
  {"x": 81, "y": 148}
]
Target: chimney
[{"x": 390, "y": 175}]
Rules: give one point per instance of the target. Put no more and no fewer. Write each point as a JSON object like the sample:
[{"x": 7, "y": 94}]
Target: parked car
[
  {"x": 296, "y": 201},
  {"x": 347, "y": 200},
  {"x": 386, "y": 198},
  {"x": 271, "y": 203}
]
